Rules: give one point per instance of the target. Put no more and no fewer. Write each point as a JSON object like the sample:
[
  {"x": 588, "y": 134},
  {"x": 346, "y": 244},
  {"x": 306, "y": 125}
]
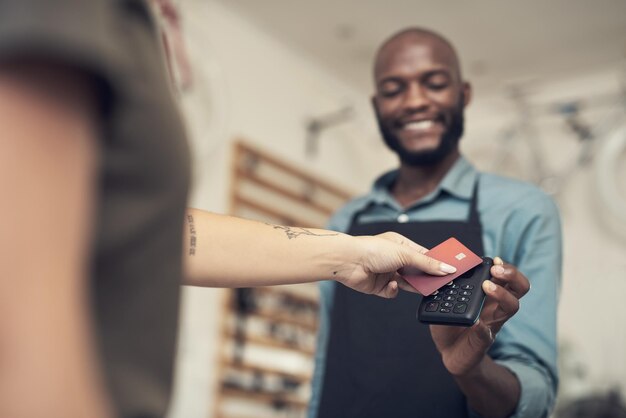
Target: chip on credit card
[{"x": 452, "y": 252}]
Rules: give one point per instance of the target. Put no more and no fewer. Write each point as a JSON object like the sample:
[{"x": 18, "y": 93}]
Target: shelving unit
[{"x": 269, "y": 334}]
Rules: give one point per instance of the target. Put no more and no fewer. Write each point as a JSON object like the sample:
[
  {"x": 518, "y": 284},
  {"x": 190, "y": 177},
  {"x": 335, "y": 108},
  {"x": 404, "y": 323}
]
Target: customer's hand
[
  {"x": 376, "y": 272},
  {"x": 462, "y": 349}
]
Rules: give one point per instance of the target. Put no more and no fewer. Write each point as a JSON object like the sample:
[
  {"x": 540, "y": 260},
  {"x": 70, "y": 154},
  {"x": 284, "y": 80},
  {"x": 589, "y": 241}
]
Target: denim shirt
[{"x": 521, "y": 224}]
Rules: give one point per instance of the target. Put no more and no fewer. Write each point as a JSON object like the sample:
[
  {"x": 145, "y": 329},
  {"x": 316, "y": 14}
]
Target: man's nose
[{"x": 415, "y": 98}]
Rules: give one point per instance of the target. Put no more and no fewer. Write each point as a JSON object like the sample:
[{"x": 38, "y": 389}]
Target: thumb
[{"x": 414, "y": 261}]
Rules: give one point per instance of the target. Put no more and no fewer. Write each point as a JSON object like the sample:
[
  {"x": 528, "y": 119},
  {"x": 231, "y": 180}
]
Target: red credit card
[{"x": 452, "y": 252}]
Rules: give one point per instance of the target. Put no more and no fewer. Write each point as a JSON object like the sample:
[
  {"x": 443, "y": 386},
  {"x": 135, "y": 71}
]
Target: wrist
[
  {"x": 346, "y": 257},
  {"x": 476, "y": 372}
]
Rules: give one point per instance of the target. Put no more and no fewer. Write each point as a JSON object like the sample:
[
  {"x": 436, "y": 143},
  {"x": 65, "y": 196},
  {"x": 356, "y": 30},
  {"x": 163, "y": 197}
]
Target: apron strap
[
  {"x": 355, "y": 216},
  {"x": 474, "y": 218}
]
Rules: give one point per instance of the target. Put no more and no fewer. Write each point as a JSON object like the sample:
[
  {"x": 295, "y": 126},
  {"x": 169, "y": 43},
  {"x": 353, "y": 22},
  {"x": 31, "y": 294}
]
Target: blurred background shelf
[
  {"x": 270, "y": 342},
  {"x": 269, "y": 333}
]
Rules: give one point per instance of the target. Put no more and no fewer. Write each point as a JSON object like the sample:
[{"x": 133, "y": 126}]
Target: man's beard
[{"x": 448, "y": 143}]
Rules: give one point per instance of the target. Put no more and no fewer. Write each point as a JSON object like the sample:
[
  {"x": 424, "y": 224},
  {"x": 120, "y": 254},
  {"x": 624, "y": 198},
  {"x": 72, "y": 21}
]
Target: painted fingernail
[
  {"x": 498, "y": 269},
  {"x": 447, "y": 268}
]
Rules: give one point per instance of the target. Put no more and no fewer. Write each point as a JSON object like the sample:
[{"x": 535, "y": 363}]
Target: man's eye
[
  {"x": 437, "y": 86},
  {"x": 390, "y": 89},
  {"x": 438, "y": 82},
  {"x": 391, "y": 92}
]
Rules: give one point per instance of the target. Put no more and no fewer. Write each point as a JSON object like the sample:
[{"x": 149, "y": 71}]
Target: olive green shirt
[{"x": 143, "y": 182}]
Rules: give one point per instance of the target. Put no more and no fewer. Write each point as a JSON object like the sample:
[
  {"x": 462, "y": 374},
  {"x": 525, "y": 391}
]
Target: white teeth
[{"x": 419, "y": 126}]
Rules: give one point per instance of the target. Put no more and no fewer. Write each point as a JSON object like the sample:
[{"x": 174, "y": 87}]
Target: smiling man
[{"x": 373, "y": 358}]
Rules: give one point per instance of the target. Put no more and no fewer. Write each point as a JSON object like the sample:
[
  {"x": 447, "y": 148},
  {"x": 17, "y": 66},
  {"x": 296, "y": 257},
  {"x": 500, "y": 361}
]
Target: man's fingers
[
  {"x": 507, "y": 302},
  {"x": 507, "y": 275}
]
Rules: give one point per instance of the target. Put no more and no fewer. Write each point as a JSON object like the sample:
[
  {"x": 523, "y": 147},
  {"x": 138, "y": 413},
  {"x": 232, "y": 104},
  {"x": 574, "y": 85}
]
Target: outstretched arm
[{"x": 225, "y": 251}]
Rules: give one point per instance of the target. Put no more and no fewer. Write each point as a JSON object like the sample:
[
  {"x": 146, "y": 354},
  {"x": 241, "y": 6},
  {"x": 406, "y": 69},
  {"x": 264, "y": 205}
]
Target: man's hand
[
  {"x": 463, "y": 349},
  {"x": 383, "y": 256}
]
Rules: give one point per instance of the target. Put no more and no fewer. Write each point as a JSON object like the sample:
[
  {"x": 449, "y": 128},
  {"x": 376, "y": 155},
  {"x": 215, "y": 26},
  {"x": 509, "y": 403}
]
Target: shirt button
[{"x": 403, "y": 218}]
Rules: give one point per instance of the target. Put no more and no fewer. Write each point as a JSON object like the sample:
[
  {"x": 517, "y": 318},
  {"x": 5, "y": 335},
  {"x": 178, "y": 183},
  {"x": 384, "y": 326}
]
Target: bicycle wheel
[{"x": 610, "y": 178}]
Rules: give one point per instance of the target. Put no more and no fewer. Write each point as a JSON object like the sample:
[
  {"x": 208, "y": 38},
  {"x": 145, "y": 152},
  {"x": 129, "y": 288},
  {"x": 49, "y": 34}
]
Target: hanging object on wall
[{"x": 316, "y": 125}]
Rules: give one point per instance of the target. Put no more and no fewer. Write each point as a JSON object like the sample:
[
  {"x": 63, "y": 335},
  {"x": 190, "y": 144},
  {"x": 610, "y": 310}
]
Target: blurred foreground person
[{"x": 94, "y": 171}]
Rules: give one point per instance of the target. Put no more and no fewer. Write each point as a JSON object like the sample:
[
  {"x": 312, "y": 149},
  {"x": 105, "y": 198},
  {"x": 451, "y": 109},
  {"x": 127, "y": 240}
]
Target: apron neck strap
[{"x": 473, "y": 217}]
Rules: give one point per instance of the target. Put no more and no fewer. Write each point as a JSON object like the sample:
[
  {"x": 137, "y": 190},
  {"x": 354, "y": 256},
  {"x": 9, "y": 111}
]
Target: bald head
[
  {"x": 392, "y": 50},
  {"x": 420, "y": 97}
]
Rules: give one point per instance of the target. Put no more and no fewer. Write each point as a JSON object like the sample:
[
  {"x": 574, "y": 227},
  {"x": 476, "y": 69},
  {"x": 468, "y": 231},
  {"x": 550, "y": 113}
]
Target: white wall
[{"x": 255, "y": 87}]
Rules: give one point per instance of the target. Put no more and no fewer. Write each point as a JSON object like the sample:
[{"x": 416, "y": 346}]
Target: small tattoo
[
  {"x": 192, "y": 235},
  {"x": 293, "y": 232}
]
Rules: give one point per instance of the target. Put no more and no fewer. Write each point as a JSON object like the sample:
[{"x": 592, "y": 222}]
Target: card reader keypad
[
  {"x": 458, "y": 303},
  {"x": 452, "y": 298}
]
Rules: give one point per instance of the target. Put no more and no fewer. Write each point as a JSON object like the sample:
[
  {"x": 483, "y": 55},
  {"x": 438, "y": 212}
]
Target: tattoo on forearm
[
  {"x": 192, "y": 235},
  {"x": 293, "y": 232}
]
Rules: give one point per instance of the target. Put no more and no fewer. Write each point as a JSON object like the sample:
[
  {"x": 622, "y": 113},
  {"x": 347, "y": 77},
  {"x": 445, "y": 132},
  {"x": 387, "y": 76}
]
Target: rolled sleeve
[
  {"x": 538, "y": 388},
  {"x": 77, "y": 33},
  {"x": 77, "y": 26}
]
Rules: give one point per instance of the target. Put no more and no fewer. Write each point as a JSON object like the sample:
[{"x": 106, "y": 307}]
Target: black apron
[{"x": 380, "y": 361}]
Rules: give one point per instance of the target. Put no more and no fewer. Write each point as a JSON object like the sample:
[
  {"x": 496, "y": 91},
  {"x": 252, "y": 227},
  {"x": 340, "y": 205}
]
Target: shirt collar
[{"x": 459, "y": 181}]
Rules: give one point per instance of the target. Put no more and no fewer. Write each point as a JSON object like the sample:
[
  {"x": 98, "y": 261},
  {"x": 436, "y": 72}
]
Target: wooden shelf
[
  {"x": 283, "y": 318},
  {"x": 270, "y": 342},
  {"x": 253, "y": 178},
  {"x": 247, "y": 149},
  {"x": 264, "y": 397},
  {"x": 291, "y": 220},
  {"x": 264, "y": 187},
  {"x": 246, "y": 367},
  {"x": 225, "y": 415},
  {"x": 284, "y": 290}
]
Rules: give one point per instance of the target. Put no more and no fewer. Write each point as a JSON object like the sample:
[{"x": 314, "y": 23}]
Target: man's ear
[
  {"x": 467, "y": 93},
  {"x": 374, "y": 103}
]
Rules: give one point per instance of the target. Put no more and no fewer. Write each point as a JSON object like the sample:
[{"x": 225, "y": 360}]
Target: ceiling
[{"x": 499, "y": 41}]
